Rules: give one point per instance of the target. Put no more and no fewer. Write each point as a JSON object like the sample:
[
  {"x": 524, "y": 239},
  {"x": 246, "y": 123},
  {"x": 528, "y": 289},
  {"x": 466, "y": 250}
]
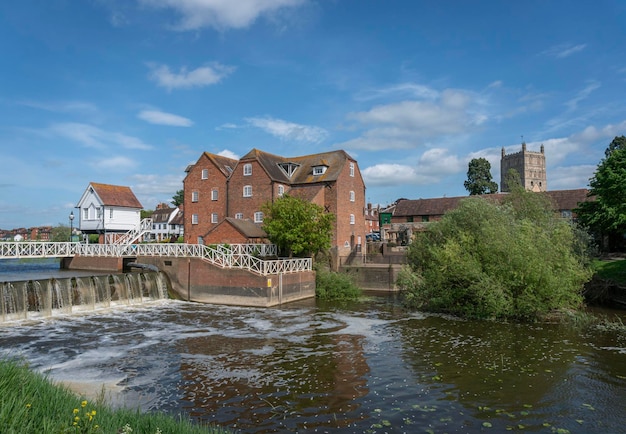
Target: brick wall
[
  {"x": 262, "y": 190},
  {"x": 205, "y": 206},
  {"x": 225, "y": 233}
]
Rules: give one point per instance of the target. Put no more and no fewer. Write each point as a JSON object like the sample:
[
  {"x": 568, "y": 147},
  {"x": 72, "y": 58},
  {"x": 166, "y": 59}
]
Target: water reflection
[{"x": 363, "y": 367}]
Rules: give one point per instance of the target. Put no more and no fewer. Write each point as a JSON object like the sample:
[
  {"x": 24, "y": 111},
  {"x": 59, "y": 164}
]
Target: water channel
[{"x": 362, "y": 367}]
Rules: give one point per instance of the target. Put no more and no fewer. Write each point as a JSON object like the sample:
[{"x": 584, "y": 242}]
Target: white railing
[
  {"x": 225, "y": 256},
  {"x": 134, "y": 234}
]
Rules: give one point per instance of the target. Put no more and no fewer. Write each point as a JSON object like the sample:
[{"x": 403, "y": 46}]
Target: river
[{"x": 360, "y": 367}]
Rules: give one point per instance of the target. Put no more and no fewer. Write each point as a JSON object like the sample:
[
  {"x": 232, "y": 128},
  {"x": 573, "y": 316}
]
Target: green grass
[
  {"x": 31, "y": 403},
  {"x": 614, "y": 270}
]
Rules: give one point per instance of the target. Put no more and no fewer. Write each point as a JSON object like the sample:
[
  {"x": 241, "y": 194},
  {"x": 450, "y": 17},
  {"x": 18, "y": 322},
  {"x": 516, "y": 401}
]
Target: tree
[
  {"x": 607, "y": 214},
  {"x": 178, "y": 198},
  {"x": 491, "y": 260},
  {"x": 479, "y": 177},
  {"x": 297, "y": 227}
]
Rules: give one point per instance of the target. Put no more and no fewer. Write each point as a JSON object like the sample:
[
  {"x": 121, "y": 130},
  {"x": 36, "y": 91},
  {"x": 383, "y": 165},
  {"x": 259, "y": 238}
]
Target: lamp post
[{"x": 71, "y": 225}]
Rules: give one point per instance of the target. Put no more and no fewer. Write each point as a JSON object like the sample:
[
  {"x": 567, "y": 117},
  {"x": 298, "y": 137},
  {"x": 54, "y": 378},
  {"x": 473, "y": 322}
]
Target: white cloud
[
  {"x": 184, "y": 79},
  {"x": 289, "y": 130},
  {"x": 432, "y": 166},
  {"x": 560, "y": 178},
  {"x": 406, "y": 124},
  {"x": 80, "y": 107},
  {"x": 572, "y": 104},
  {"x": 564, "y": 50},
  {"x": 93, "y": 137},
  {"x": 163, "y": 118},
  {"x": 228, "y": 154},
  {"x": 222, "y": 14},
  {"x": 118, "y": 164}
]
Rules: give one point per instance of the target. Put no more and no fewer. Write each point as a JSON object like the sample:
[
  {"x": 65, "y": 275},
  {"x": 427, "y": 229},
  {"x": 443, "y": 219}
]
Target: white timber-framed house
[{"x": 110, "y": 211}]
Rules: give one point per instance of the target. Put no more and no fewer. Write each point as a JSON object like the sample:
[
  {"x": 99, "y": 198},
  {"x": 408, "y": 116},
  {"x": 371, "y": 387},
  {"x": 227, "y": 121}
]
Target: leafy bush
[
  {"x": 335, "y": 286},
  {"x": 488, "y": 260}
]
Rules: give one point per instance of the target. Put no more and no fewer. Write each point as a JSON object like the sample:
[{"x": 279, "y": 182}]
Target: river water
[{"x": 360, "y": 367}]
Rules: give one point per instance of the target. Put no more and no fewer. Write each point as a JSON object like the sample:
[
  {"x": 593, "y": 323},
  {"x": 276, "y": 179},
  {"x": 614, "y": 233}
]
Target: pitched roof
[
  {"x": 162, "y": 215},
  {"x": 245, "y": 227},
  {"x": 224, "y": 164},
  {"x": 116, "y": 195},
  {"x": 562, "y": 200},
  {"x": 333, "y": 160}
]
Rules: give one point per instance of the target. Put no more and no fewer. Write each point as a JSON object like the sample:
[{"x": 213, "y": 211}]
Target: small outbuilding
[{"x": 236, "y": 231}]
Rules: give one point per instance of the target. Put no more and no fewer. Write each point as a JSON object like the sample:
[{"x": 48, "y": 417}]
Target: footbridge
[{"x": 250, "y": 257}]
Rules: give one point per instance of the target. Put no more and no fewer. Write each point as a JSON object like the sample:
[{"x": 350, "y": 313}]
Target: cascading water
[{"x": 44, "y": 298}]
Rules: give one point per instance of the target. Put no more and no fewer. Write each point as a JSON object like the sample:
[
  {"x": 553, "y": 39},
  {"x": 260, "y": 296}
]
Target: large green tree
[
  {"x": 479, "y": 177},
  {"x": 178, "y": 198},
  {"x": 606, "y": 215},
  {"x": 496, "y": 260},
  {"x": 297, "y": 227}
]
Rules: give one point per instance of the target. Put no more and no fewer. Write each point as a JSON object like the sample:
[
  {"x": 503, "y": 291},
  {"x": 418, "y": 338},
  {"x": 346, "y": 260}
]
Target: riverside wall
[{"x": 194, "y": 279}]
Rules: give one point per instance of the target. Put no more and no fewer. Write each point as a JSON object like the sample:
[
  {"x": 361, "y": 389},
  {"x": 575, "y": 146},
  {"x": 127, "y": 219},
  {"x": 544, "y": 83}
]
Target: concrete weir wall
[
  {"x": 193, "y": 279},
  {"x": 196, "y": 280}
]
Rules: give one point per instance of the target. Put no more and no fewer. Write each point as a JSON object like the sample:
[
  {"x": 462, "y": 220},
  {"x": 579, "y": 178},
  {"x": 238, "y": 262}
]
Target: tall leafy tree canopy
[
  {"x": 479, "y": 178},
  {"x": 297, "y": 227},
  {"x": 607, "y": 214},
  {"x": 178, "y": 198}
]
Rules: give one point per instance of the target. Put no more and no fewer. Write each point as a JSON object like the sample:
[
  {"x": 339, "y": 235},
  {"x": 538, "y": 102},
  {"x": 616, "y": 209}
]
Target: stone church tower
[{"x": 531, "y": 167}]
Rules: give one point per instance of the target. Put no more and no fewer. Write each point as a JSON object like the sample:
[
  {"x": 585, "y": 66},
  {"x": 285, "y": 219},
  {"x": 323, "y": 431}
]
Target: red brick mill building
[{"x": 216, "y": 188}]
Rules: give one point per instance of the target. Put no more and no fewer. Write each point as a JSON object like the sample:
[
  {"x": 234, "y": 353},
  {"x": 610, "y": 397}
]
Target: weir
[{"x": 43, "y": 298}]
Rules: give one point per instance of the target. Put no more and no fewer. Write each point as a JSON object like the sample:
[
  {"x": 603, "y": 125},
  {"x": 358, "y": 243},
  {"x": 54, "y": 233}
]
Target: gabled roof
[
  {"x": 333, "y": 160},
  {"x": 245, "y": 227},
  {"x": 115, "y": 195},
  {"x": 163, "y": 215},
  {"x": 562, "y": 200},
  {"x": 224, "y": 164}
]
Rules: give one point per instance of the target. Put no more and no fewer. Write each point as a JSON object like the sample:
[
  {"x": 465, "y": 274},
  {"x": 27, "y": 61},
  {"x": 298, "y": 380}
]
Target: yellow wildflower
[
  {"x": 75, "y": 411},
  {"x": 93, "y": 412},
  {"x": 28, "y": 406},
  {"x": 83, "y": 404}
]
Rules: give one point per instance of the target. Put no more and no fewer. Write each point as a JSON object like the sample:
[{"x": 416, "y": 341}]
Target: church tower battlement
[{"x": 530, "y": 165}]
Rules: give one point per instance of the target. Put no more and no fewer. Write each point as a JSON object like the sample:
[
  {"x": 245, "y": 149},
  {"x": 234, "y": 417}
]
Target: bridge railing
[
  {"x": 225, "y": 256},
  {"x": 37, "y": 249}
]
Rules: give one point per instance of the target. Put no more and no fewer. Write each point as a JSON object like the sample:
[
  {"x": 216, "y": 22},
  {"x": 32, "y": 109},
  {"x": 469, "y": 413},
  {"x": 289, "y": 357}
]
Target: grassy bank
[
  {"x": 33, "y": 404},
  {"x": 613, "y": 270}
]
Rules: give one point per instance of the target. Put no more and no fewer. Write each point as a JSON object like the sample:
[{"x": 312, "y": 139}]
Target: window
[
  {"x": 214, "y": 194},
  {"x": 247, "y": 191},
  {"x": 205, "y": 173},
  {"x": 194, "y": 219},
  {"x": 319, "y": 170},
  {"x": 98, "y": 212},
  {"x": 281, "y": 190},
  {"x": 351, "y": 196},
  {"x": 214, "y": 217},
  {"x": 111, "y": 213},
  {"x": 425, "y": 218},
  {"x": 85, "y": 213},
  {"x": 288, "y": 168},
  {"x": 247, "y": 169},
  {"x": 351, "y": 169},
  {"x": 351, "y": 219},
  {"x": 239, "y": 215},
  {"x": 258, "y": 217},
  {"x": 194, "y": 196}
]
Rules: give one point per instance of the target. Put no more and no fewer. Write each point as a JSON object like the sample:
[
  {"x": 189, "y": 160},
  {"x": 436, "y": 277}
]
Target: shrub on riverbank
[
  {"x": 488, "y": 260},
  {"x": 335, "y": 286},
  {"x": 32, "y": 404}
]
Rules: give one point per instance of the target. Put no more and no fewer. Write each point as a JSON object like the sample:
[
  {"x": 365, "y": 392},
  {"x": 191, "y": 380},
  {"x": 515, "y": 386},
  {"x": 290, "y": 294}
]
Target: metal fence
[{"x": 242, "y": 256}]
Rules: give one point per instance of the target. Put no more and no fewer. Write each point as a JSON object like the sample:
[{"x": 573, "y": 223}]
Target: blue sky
[{"x": 130, "y": 92}]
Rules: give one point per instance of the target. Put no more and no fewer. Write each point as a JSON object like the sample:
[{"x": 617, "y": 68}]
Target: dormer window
[
  {"x": 319, "y": 170},
  {"x": 288, "y": 168}
]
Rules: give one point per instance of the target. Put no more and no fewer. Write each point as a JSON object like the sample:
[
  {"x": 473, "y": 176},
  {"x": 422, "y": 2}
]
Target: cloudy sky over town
[{"x": 130, "y": 92}]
